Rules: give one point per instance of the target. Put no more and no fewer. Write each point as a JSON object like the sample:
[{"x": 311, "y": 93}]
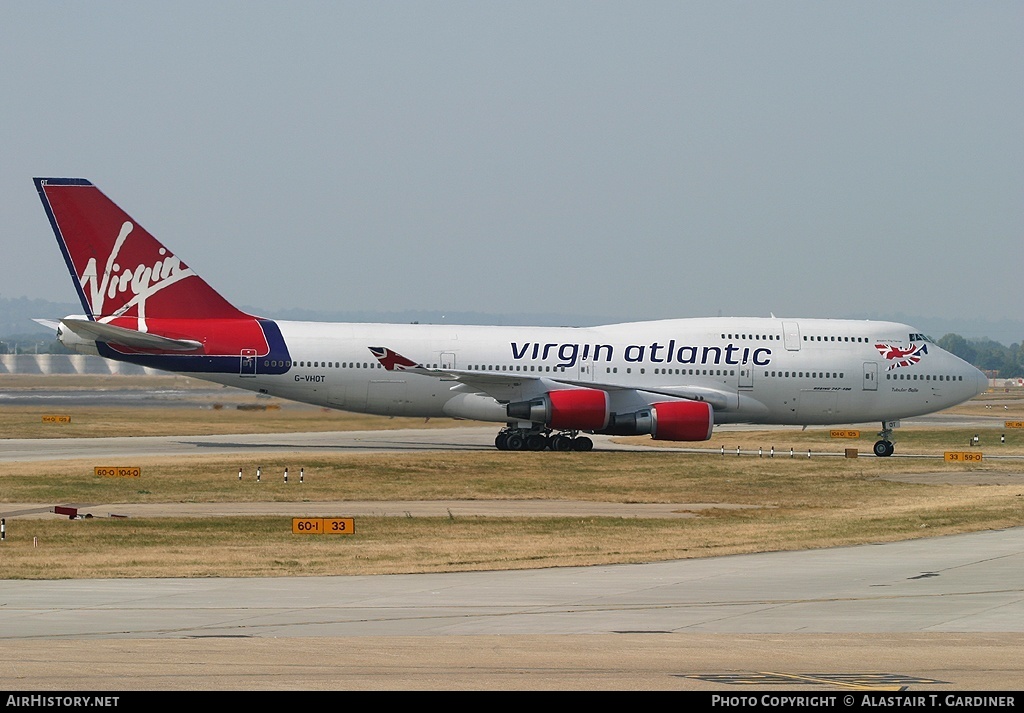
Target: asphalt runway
[{"x": 930, "y": 614}]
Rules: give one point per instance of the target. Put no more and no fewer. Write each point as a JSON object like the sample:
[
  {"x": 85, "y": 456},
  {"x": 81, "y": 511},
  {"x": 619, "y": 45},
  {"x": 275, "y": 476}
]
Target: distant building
[{"x": 68, "y": 364}]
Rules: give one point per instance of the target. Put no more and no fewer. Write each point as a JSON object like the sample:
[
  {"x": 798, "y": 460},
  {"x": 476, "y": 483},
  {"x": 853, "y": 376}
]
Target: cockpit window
[{"x": 918, "y": 337}]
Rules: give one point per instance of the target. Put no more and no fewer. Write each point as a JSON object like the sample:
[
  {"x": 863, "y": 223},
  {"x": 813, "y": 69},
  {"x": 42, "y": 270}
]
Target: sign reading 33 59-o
[{"x": 962, "y": 457}]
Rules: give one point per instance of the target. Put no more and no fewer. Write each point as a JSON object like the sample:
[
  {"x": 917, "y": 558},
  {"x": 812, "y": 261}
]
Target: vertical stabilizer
[
  {"x": 142, "y": 303},
  {"x": 119, "y": 269}
]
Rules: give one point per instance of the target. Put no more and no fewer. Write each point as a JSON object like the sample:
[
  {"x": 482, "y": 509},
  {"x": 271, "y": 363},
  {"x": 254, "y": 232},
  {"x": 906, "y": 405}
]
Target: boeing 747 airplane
[{"x": 673, "y": 379}]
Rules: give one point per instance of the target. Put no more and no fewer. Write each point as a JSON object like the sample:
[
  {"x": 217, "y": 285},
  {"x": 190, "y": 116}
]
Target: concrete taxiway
[
  {"x": 933, "y": 614},
  {"x": 470, "y": 438}
]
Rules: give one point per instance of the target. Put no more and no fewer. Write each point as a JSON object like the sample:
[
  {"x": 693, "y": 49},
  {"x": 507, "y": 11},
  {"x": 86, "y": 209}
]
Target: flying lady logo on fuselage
[
  {"x": 392, "y": 360},
  {"x": 129, "y": 287},
  {"x": 899, "y": 357}
]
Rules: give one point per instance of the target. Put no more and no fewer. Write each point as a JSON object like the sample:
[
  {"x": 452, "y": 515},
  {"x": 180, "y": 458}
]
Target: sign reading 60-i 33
[{"x": 323, "y": 526}]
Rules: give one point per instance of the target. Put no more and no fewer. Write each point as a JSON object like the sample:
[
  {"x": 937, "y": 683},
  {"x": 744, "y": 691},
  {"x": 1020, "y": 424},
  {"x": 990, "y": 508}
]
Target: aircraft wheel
[
  {"x": 500, "y": 441},
  {"x": 883, "y": 448},
  {"x": 536, "y": 442},
  {"x": 582, "y": 444},
  {"x": 561, "y": 443},
  {"x": 514, "y": 442}
]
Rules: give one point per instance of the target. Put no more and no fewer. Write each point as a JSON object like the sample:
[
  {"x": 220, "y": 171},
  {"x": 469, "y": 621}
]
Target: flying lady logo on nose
[{"x": 898, "y": 356}]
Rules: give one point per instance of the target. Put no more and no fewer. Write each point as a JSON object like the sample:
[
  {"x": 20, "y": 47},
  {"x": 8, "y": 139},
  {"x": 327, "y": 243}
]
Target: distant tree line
[{"x": 987, "y": 355}]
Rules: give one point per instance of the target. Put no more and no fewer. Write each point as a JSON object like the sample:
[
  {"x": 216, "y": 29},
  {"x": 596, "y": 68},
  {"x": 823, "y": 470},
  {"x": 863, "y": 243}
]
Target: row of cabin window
[
  {"x": 835, "y": 339},
  {"x": 776, "y": 337},
  {"x": 692, "y": 372},
  {"x": 894, "y": 377},
  {"x": 325, "y": 364},
  {"x": 615, "y": 370},
  {"x": 806, "y": 374},
  {"x": 516, "y": 367},
  {"x": 608, "y": 370},
  {"x": 696, "y": 372},
  {"x": 330, "y": 364}
]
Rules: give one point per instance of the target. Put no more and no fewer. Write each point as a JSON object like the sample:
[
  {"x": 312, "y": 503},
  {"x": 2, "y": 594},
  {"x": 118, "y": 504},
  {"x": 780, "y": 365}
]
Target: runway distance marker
[
  {"x": 323, "y": 526},
  {"x": 56, "y": 418},
  {"x": 962, "y": 457},
  {"x": 118, "y": 471},
  {"x": 843, "y": 433},
  {"x": 339, "y": 526}
]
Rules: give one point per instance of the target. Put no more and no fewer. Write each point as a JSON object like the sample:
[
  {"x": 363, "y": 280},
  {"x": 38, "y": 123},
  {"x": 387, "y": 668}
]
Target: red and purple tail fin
[
  {"x": 119, "y": 269},
  {"x": 142, "y": 303}
]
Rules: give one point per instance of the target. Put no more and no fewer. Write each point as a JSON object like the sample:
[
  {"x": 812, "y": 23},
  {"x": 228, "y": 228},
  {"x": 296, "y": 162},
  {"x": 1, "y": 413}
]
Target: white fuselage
[{"x": 752, "y": 370}]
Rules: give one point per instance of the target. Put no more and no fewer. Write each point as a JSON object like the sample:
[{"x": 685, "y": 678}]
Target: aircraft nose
[{"x": 981, "y": 381}]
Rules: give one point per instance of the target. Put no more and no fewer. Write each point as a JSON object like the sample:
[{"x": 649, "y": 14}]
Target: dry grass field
[
  {"x": 175, "y": 405},
  {"x": 794, "y": 502}
]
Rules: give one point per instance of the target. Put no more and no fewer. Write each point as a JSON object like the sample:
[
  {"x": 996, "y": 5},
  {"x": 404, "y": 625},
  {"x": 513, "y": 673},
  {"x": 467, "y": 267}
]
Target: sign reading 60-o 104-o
[{"x": 113, "y": 471}]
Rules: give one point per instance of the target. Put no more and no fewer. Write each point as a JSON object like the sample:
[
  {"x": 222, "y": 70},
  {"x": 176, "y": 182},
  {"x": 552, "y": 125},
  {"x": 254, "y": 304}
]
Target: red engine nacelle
[
  {"x": 667, "y": 421},
  {"x": 682, "y": 421},
  {"x": 568, "y": 409}
]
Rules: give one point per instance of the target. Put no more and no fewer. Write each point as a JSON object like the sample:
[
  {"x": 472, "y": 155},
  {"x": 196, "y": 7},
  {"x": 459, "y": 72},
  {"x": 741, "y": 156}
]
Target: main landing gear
[
  {"x": 883, "y": 446},
  {"x": 523, "y": 439}
]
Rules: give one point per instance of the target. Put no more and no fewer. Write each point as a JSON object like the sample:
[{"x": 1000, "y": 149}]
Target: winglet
[{"x": 392, "y": 360}]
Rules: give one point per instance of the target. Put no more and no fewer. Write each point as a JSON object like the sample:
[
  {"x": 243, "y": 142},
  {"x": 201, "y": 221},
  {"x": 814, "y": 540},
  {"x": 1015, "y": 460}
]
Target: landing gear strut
[
  {"x": 525, "y": 439},
  {"x": 884, "y": 447}
]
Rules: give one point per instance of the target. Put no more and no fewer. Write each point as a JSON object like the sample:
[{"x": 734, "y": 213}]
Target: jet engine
[
  {"x": 667, "y": 421},
  {"x": 567, "y": 409}
]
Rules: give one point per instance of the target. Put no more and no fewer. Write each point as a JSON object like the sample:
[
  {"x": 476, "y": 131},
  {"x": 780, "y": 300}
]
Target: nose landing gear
[{"x": 884, "y": 447}]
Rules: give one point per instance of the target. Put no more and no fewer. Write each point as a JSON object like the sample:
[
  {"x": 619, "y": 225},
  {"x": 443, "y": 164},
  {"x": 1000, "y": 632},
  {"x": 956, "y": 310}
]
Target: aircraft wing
[
  {"x": 100, "y": 332},
  {"x": 497, "y": 383},
  {"x": 393, "y": 361}
]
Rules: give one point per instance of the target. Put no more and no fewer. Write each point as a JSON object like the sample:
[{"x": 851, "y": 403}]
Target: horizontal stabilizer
[
  {"x": 48, "y": 323},
  {"x": 97, "y": 331}
]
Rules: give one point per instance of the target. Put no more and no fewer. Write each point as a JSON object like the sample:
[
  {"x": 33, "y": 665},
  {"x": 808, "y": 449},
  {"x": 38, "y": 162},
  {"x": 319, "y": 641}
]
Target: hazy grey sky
[{"x": 631, "y": 159}]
